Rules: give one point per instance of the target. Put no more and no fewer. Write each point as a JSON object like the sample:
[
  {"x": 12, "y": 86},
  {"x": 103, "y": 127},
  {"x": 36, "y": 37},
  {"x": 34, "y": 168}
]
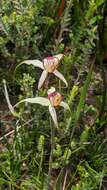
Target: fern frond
[
  {"x": 65, "y": 22},
  {"x": 66, "y": 19},
  {"x": 3, "y": 27},
  {"x": 18, "y": 7}
]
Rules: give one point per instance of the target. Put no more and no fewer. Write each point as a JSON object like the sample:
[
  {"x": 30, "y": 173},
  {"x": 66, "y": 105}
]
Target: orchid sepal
[
  {"x": 35, "y": 63},
  {"x": 37, "y": 100},
  {"x": 11, "y": 108},
  {"x": 59, "y": 56},
  {"x": 42, "y": 78},
  {"x": 60, "y": 76},
  {"x": 53, "y": 114},
  {"x": 65, "y": 105}
]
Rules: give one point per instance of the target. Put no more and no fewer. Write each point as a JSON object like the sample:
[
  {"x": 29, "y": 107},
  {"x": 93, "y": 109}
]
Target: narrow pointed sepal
[
  {"x": 42, "y": 78},
  {"x": 53, "y": 115},
  {"x": 60, "y": 76},
  {"x": 37, "y": 100},
  {"x": 65, "y": 105},
  {"x": 11, "y": 108},
  {"x": 35, "y": 63},
  {"x": 59, "y": 56}
]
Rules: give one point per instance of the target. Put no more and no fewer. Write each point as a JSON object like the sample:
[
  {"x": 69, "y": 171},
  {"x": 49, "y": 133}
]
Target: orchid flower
[
  {"x": 49, "y": 65},
  {"x": 54, "y": 99}
]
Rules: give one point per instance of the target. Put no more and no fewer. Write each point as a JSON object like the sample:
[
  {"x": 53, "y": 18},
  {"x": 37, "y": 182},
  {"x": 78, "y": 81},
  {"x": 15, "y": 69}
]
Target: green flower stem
[{"x": 51, "y": 153}]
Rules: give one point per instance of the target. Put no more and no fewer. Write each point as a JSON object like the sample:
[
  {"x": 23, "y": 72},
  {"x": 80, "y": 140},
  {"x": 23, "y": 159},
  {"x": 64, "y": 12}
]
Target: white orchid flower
[
  {"x": 49, "y": 65},
  {"x": 54, "y": 99}
]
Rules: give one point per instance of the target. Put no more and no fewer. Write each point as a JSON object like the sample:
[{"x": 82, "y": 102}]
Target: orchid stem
[
  {"x": 51, "y": 154},
  {"x": 59, "y": 86}
]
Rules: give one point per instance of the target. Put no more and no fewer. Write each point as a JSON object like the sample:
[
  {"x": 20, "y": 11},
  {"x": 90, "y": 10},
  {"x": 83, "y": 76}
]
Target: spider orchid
[
  {"x": 54, "y": 99},
  {"x": 49, "y": 65}
]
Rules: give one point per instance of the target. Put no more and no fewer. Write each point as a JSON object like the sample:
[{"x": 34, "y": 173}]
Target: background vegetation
[{"x": 34, "y": 154}]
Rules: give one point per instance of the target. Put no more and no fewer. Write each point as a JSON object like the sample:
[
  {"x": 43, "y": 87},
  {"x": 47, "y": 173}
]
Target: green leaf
[{"x": 83, "y": 94}]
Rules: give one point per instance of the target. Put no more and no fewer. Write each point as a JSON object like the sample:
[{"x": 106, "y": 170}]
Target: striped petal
[
  {"x": 35, "y": 63},
  {"x": 65, "y": 105},
  {"x": 53, "y": 115},
  {"x": 42, "y": 78},
  {"x": 60, "y": 76},
  {"x": 38, "y": 100}
]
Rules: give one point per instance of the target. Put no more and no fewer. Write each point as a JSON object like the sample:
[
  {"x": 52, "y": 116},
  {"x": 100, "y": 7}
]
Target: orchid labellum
[
  {"x": 54, "y": 99},
  {"x": 49, "y": 65}
]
